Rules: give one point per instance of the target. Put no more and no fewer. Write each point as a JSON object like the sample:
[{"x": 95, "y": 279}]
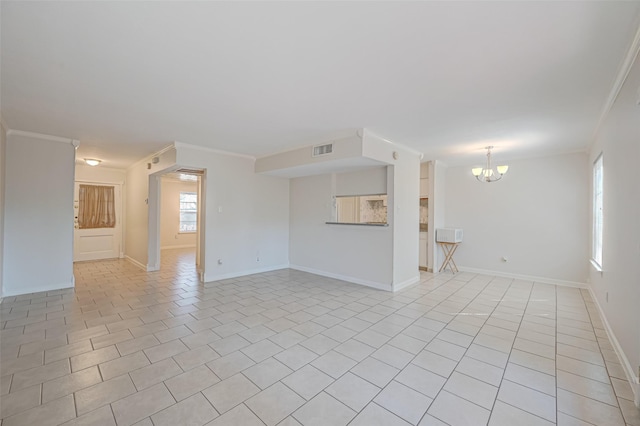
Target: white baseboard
[
  {"x": 373, "y": 284},
  {"x": 135, "y": 262},
  {"x": 543, "y": 280},
  {"x": 405, "y": 284},
  {"x": 626, "y": 365},
  {"x": 39, "y": 289},
  {"x": 178, "y": 247},
  {"x": 208, "y": 277}
]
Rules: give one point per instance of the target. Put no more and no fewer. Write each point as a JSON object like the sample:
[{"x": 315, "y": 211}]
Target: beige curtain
[{"x": 96, "y": 207}]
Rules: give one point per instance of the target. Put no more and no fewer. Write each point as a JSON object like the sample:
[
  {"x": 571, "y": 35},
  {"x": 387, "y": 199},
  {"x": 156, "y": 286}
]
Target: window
[
  {"x": 597, "y": 212},
  {"x": 188, "y": 211},
  {"x": 96, "y": 207}
]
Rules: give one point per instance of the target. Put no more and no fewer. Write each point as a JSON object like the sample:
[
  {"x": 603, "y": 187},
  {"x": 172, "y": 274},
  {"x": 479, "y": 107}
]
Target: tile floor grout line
[
  {"x": 466, "y": 350},
  {"x": 432, "y": 295},
  {"x": 524, "y": 310}
]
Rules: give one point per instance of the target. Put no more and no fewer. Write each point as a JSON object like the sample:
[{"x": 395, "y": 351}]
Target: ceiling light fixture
[
  {"x": 487, "y": 174},
  {"x": 92, "y": 161}
]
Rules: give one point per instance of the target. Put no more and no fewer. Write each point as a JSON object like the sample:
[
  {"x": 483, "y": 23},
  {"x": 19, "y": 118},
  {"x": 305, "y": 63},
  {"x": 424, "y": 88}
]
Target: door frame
[
  {"x": 154, "y": 211},
  {"x": 119, "y": 223}
]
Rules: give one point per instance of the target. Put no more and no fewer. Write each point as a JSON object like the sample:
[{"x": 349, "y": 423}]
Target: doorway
[
  {"x": 97, "y": 232},
  {"x": 178, "y": 229}
]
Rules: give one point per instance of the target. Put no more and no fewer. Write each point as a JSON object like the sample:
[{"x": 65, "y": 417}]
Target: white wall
[
  {"x": 100, "y": 174},
  {"x": 136, "y": 207},
  {"x": 170, "y": 237},
  {"x": 381, "y": 257},
  {"x": 3, "y": 145},
  {"x": 536, "y": 217},
  {"x": 364, "y": 182},
  {"x": 403, "y": 188},
  {"x": 437, "y": 205},
  {"x": 361, "y": 254},
  {"x": 246, "y": 214},
  {"x": 38, "y": 214},
  {"x": 343, "y": 148},
  {"x": 406, "y": 222},
  {"x": 618, "y": 141}
]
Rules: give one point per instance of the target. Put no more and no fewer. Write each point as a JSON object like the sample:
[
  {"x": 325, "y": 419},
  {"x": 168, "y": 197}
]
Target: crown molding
[
  {"x": 621, "y": 77},
  {"x": 42, "y": 136},
  {"x": 364, "y": 131},
  {"x": 146, "y": 158},
  {"x": 213, "y": 150}
]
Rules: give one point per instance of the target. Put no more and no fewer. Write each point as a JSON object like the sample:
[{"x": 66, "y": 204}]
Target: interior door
[{"x": 97, "y": 243}]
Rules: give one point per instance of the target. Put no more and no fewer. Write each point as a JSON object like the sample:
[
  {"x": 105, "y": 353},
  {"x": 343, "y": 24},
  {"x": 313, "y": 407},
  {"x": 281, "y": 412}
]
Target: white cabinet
[
  {"x": 424, "y": 188},
  {"x": 422, "y": 259}
]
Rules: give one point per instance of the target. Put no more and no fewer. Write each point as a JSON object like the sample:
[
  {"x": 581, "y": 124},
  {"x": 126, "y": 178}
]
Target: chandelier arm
[{"x": 488, "y": 174}]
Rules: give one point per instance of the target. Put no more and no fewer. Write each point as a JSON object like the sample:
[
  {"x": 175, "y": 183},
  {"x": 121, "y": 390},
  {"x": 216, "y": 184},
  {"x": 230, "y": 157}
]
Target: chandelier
[{"x": 487, "y": 174}]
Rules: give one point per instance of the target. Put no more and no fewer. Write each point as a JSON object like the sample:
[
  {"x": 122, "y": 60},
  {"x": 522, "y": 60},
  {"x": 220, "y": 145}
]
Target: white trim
[
  {"x": 148, "y": 157},
  {"x": 621, "y": 77},
  {"x": 373, "y": 284},
  {"x": 626, "y": 365},
  {"x": 135, "y": 262},
  {"x": 212, "y": 277},
  {"x": 213, "y": 150},
  {"x": 406, "y": 283},
  {"x": 178, "y": 246},
  {"x": 44, "y": 288},
  {"x": 100, "y": 181},
  {"x": 51, "y": 138},
  {"x": 542, "y": 280},
  {"x": 396, "y": 144}
]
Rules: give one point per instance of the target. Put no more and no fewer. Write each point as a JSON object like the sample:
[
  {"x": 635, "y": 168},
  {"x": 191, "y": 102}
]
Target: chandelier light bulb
[{"x": 488, "y": 174}]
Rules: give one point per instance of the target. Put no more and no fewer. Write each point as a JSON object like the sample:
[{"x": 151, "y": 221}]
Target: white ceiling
[{"x": 445, "y": 78}]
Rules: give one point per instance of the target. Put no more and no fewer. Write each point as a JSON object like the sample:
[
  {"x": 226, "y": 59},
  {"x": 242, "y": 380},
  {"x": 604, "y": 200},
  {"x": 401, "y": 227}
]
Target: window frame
[
  {"x": 181, "y": 210},
  {"x": 598, "y": 213}
]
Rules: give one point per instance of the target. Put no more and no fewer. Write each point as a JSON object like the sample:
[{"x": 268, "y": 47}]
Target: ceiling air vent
[{"x": 319, "y": 150}]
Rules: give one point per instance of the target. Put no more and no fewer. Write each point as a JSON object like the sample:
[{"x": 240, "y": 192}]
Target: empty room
[{"x": 319, "y": 213}]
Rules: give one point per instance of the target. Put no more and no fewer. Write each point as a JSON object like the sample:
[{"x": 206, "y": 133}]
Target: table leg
[{"x": 449, "y": 250}]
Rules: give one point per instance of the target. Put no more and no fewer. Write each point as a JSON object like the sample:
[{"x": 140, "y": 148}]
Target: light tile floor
[{"x": 290, "y": 348}]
